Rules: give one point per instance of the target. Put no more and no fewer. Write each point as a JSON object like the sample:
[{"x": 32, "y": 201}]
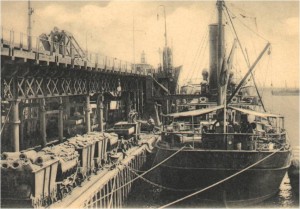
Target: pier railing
[{"x": 16, "y": 44}]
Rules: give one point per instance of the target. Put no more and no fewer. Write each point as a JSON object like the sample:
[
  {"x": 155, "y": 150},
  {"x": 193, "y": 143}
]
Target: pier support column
[
  {"x": 67, "y": 106},
  {"x": 100, "y": 109},
  {"x": 134, "y": 100},
  {"x": 167, "y": 106},
  {"x": 43, "y": 122},
  {"x": 128, "y": 105},
  {"x": 142, "y": 98},
  {"x": 61, "y": 121},
  {"x": 137, "y": 97},
  {"x": 21, "y": 136},
  {"x": 87, "y": 114},
  {"x": 15, "y": 124}
]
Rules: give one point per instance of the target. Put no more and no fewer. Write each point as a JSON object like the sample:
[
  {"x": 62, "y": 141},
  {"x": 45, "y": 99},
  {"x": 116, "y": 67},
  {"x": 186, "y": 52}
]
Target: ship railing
[
  {"x": 44, "y": 49},
  {"x": 267, "y": 136},
  {"x": 252, "y": 138}
]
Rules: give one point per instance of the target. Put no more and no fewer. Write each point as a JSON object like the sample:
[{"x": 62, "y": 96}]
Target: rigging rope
[
  {"x": 267, "y": 71},
  {"x": 6, "y": 117},
  {"x": 185, "y": 51},
  {"x": 199, "y": 51},
  {"x": 247, "y": 61},
  {"x": 143, "y": 173},
  {"x": 256, "y": 33},
  {"x": 221, "y": 181}
]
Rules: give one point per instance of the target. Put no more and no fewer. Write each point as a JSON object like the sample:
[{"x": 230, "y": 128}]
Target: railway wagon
[
  {"x": 100, "y": 156},
  {"x": 26, "y": 180},
  {"x": 67, "y": 172},
  {"x": 112, "y": 141},
  {"x": 85, "y": 146},
  {"x": 37, "y": 179}
]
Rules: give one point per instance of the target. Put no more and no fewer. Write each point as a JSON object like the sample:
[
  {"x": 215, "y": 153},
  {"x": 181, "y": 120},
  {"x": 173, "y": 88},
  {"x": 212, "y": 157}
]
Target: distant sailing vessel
[{"x": 225, "y": 133}]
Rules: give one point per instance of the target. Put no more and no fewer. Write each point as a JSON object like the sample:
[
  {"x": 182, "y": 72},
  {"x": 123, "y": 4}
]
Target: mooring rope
[
  {"x": 221, "y": 181},
  {"x": 111, "y": 197},
  {"x": 158, "y": 185},
  {"x": 144, "y": 173},
  {"x": 135, "y": 170},
  {"x": 5, "y": 119}
]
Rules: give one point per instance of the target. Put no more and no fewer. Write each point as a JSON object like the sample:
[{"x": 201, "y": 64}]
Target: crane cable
[{"x": 221, "y": 181}]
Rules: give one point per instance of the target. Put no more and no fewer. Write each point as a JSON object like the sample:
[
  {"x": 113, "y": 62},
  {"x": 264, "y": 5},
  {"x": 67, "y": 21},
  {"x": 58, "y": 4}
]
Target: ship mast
[
  {"x": 30, "y": 12},
  {"x": 220, "y": 51},
  {"x": 166, "y": 41},
  {"x": 166, "y": 51}
]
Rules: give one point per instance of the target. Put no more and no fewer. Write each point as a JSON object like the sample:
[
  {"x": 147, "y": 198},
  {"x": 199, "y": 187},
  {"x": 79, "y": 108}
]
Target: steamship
[{"x": 227, "y": 145}]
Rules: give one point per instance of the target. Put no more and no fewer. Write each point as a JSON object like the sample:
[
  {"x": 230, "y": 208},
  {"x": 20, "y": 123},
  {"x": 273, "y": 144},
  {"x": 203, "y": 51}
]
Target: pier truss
[{"x": 37, "y": 72}]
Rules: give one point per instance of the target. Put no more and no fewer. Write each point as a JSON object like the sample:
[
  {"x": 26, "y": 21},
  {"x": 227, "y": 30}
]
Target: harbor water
[{"x": 148, "y": 195}]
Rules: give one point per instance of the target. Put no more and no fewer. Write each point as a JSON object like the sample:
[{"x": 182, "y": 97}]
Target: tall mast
[
  {"x": 163, "y": 6},
  {"x": 133, "y": 43},
  {"x": 166, "y": 40},
  {"x": 30, "y": 12},
  {"x": 166, "y": 50},
  {"x": 220, "y": 50}
]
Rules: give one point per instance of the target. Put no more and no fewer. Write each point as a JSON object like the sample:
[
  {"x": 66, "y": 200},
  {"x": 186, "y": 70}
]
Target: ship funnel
[
  {"x": 167, "y": 59},
  {"x": 213, "y": 56}
]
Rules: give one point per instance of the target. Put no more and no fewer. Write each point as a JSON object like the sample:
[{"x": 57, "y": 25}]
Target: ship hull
[{"x": 193, "y": 170}]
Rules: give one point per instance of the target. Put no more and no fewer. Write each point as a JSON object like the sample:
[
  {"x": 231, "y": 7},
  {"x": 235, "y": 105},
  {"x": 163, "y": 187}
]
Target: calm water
[{"x": 149, "y": 196}]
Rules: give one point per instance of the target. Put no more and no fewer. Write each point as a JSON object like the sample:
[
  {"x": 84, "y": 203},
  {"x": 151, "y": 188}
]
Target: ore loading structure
[
  {"x": 72, "y": 122},
  {"x": 223, "y": 146}
]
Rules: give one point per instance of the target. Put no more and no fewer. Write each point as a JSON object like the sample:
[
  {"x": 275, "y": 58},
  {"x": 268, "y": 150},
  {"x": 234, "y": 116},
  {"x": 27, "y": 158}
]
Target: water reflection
[
  {"x": 287, "y": 196},
  {"x": 148, "y": 196}
]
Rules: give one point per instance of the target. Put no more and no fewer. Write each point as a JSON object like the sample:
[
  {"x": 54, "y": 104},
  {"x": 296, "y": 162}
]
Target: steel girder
[{"x": 25, "y": 81}]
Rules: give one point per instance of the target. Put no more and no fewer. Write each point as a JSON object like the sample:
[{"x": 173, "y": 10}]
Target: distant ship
[
  {"x": 226, "y": 143},
  {"x": 285, "y": 91}
]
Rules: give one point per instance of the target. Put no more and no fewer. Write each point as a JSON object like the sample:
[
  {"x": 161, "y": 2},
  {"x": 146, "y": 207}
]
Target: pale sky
[{"x": 108, "y": 29}]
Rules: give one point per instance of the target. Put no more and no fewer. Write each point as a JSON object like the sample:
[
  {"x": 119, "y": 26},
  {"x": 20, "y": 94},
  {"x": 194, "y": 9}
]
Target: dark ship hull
[{"x": 192, "y": 170}]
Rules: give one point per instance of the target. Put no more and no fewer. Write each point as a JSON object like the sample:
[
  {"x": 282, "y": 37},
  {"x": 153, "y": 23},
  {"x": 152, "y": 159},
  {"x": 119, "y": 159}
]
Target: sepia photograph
[{"x": 149, "y": 104}]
